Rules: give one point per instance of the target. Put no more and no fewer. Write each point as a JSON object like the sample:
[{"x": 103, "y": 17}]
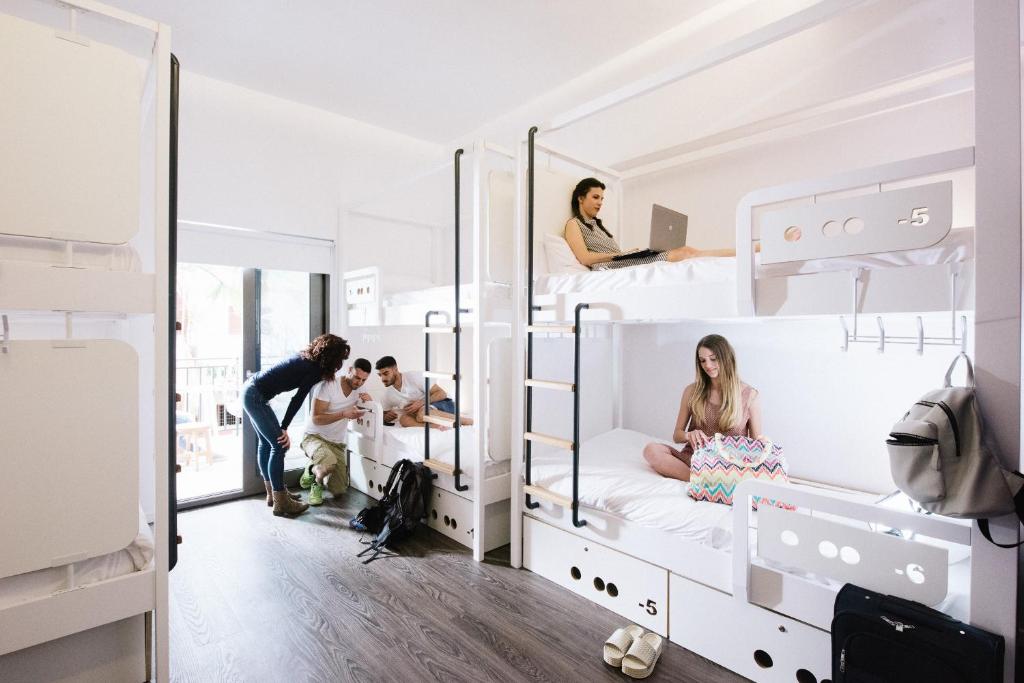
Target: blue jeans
[
  {"x": 269, "y": 453},
  {"x": 445, "y": 404}
]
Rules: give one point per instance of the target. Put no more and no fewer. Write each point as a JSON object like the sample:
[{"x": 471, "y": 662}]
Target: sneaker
[
  {"x": 307, "y": 479},
  {"x": 316, "y": 494}
]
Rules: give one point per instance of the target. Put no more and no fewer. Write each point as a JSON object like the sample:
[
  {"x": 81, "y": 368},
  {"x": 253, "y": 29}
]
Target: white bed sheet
[
  {"x": 408, "y": 442},
  {"x": 957, "y": 246},
  {"x": 121, "y": 257},
  {"x": 135, "y": 557},
  {"x": 614, "y": 477}
]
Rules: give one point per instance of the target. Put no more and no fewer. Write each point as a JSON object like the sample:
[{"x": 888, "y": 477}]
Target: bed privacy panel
[
  {"x": 501, "y": 202},
  {"x": 69, "y": 131},
  {"x": 499, "y": 387},
  {"x": 70, "y": 460}
]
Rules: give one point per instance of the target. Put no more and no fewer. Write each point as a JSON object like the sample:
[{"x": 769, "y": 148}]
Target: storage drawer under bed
[
  {"x": 367, "y": 476},
  {"x": 628, "y": 586},
  {"x": 452, "y": 515},
  {"x": 750, "y": 640}
]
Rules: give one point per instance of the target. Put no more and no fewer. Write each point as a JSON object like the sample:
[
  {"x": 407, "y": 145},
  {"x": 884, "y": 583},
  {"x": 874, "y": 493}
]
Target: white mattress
[
  {"x": 957, "y": 246},
  {"x": 121, "y": 257},
  {"x": 615, "y": 478},
  {"x": 136, "y": 557},
  {"x": 408, "y": 442}
]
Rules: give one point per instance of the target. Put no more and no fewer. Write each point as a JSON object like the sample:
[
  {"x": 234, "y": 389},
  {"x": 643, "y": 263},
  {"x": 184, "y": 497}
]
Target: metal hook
[
  {"x": 6, "y": 335},
  {"x": 881, "y": 335},
  {"x": 846, "y": 334},
  {"x": 920, "y": 336}
]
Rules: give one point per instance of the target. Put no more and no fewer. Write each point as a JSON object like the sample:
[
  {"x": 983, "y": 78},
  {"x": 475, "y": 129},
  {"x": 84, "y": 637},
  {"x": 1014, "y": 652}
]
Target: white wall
[
  {"x": 709, "y": 190},
  {"x": 255, "y": 161}
]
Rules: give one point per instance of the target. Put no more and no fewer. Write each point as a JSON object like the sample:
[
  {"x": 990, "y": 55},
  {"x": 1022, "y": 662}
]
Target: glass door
[
  {"x": 234, "y": 322},
  {"x": 292, "y": 310},
  {"x": 208, "y": 380}
]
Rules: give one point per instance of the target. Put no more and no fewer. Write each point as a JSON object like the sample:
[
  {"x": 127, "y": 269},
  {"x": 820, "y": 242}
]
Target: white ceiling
[{"x": 432, "y": 69}]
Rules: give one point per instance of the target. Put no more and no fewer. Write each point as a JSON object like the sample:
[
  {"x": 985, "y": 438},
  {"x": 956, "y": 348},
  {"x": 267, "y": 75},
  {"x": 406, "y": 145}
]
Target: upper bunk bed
[
  {"x": 86, "y": 196},
  {"x": 74, "y": 235},
  {"x": 875, "y": 238},
  {"x": 398, "y": 256}
]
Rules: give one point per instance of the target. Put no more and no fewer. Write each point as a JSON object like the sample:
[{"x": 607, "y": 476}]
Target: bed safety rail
[
  {"x": 453, "y": 470},
  {"x": 531, "y": 383}
]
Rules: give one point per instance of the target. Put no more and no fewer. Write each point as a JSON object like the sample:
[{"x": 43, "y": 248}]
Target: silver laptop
[{"x": 668, "y": 228}]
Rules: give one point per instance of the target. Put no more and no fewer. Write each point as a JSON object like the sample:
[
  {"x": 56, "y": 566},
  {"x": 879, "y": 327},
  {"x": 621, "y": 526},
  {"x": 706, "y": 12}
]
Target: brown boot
[
  {"x": 270, "y": 494},
  {"x": 284, "y": 506}
]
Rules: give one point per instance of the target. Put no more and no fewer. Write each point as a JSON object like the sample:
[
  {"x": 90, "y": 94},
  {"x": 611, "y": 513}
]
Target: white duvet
[
  {"x": 409, "y": 442},
  {"x": 615, "y": 478},
  {"x": 957, "y": 246}
]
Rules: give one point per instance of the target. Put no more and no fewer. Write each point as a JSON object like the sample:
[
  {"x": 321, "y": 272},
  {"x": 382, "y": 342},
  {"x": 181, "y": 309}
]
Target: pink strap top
[{"x": 713, "y": 412}]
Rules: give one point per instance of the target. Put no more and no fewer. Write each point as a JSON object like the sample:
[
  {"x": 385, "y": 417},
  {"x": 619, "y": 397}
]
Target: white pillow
[{"x": 560, "y": 257}]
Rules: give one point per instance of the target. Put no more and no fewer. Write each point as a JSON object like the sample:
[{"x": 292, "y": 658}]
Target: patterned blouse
[{"x": 600, "y": 242}]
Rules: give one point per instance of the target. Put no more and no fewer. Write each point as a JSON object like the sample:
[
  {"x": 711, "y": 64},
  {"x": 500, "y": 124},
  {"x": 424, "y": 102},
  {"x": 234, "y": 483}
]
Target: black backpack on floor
[
  {"x": 882, "y": 638},
  {"x": 402, "y": 509}
]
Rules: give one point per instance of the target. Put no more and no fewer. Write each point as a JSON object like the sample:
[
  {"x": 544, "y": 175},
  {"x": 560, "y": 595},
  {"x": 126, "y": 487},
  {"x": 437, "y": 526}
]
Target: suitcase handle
[{"x": 909, "y": 610}]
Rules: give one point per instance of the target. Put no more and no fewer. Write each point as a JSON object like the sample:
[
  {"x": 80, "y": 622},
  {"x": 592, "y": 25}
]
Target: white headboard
[
  {"x": 71, "y": 426},
  {"x": 71, "y": 147}
]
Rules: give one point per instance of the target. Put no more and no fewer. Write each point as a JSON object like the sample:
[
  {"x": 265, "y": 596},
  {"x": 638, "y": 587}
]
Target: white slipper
[
  {"x": 618, "y": 644},
  {"x": 643, "y": 655}
]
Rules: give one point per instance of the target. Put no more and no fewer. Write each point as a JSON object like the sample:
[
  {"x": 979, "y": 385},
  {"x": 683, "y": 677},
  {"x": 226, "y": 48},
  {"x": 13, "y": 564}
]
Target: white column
[
  {"x": 480, "y": 409},
  {"x": 518, "y": 357},
  {"x": 997, "y": 106}
]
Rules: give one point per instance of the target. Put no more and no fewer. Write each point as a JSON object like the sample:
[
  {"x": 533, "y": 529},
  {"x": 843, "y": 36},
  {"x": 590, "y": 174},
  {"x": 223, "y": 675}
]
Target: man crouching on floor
[
  {"x": 334, "y": 404},
  {"x": 404, "y": 397}
]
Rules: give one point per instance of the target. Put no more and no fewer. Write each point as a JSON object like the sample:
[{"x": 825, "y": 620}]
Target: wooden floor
[{"x": 259, "y": 598}]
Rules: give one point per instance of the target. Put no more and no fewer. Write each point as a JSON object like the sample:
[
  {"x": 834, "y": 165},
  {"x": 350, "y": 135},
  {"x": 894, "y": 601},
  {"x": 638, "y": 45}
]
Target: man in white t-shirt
[
  {"x": 404, "y": 397},
  {"x": 334, "y": 404}
]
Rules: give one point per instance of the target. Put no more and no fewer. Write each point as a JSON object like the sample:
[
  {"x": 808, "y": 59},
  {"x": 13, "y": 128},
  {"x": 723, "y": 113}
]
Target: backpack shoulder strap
[{"x": 1018, "y": 504}]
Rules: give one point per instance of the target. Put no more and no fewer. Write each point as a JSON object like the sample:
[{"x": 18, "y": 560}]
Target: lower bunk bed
[
  {"x": 696, "y": 572},
  {"x": 374, "y": 449},
  {"x": 50, "y": 617}
]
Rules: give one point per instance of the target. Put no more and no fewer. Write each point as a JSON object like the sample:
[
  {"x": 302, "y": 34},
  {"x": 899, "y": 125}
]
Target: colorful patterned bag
[{"x": 718, "y": 466}]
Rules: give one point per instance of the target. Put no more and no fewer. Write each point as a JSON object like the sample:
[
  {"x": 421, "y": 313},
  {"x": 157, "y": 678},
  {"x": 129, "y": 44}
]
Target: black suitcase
[{"x": 881, "y": 639}]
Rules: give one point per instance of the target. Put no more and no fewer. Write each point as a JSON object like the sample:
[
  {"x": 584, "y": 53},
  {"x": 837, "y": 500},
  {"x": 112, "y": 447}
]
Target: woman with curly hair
[{"x": 319, "y": 361}]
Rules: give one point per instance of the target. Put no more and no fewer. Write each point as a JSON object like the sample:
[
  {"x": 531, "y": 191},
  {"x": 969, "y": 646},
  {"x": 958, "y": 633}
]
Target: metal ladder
[
  {"x": 532, "y": 383},
  {"x": 454, "y": 469}
]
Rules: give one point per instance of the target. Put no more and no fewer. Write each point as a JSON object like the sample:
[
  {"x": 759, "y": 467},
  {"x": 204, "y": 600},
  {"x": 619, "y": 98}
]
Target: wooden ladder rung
[
  {"x": 438, "y": 421},
  {"x": 546, "y": 384},
  {"x": 440, "y": 330},
  {"x": 552, "y": 329},
  {"x": 439, "y": 375},
  {"x": 545, "y": 494},
  {"x": 550, "y": 440},
  {"x": 438, "y": 466}
]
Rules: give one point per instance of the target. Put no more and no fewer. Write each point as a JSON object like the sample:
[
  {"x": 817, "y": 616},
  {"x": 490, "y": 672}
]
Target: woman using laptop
[{"x": 595, "y": 247}]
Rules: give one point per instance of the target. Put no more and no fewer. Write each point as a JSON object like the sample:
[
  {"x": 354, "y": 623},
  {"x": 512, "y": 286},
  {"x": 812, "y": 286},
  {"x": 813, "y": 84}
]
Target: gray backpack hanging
[{"x": 939, "y": 457}]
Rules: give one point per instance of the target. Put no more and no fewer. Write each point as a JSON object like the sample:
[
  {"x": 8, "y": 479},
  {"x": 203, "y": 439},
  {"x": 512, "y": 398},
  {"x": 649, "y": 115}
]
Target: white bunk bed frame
[
  {"x": 787, "y": 616},
  {"x": 475, "y": 517},
  {"x": 29, "y": 287}
]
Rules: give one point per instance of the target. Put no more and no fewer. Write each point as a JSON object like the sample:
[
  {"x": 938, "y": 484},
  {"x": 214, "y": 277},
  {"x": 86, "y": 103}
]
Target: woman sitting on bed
[
  {"x": 718, "y": 402},
  {"x": 594, "y": 246}
]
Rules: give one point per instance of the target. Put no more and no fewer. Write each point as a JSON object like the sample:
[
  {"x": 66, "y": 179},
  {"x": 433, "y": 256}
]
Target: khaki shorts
[{"x": 324, "y": 452}]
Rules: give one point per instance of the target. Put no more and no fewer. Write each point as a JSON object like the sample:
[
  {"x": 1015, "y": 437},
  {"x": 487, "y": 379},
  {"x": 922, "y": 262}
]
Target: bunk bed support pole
[
  {"x": 163, "y": 329},
  {"x": 518, "y": 360},
  {"x": 531, "y": 140},
  {"x": 576, "y": 521},
  {"x": 480, "y": 398},
  {"x": 459, "y": 486},
  {"x": 997, "y": 344}
]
